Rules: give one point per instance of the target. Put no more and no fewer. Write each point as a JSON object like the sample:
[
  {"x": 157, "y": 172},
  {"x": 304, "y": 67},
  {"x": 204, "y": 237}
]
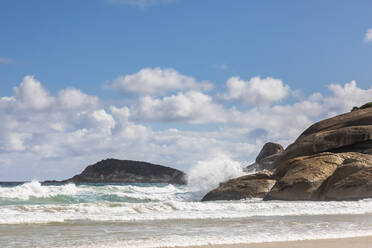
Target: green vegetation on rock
[{"x": 367, "y": 105}]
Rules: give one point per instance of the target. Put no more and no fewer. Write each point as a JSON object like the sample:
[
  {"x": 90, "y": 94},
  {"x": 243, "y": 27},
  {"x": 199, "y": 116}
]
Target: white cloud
[
  {"x": 13, "y": 141},
  {"x": 278, "y": 123},
  {"x": 56, "y": 136},
  {"x": 73, "y": 98},
  {"x": 104, "y": 121},
  {"x": 140, "y": 3},
  {"x": 6, "y": 61},
  {"x": 157, "y": 81},
  {"x": 346, "y": 97},
  {"x": 31, "y": 95},
  {"x": 283, "y": 123},
  {"x": 368, "y": 36},
  {"x": 192, "y": 107},
  {"x": 256, "y": 91}
]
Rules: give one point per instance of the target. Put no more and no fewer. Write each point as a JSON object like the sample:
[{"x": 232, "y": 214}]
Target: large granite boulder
[
  {"x": 317, "y": 165},
  {"x": 127, "y": 171},
  {"x": 351, "y": 181},
  {"x": 249, "y": 186},
  {"x": 314, "y": 177},
  {"x": 332, "y": 134},
  {"x": 331, "y": 160}
]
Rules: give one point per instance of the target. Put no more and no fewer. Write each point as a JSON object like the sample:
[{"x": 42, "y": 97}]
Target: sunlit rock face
[{"x": 331, "y": 160}]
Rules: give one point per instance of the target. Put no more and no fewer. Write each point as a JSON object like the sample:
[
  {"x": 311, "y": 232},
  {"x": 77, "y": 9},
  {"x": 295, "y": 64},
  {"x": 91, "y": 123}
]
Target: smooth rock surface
[
  {"x": 331, "y": 160},
  {"x": 267, "y": 157},
  {"x": 333, "y": 133},
  {"x": 302, "y": 177},
  {"x": 352, "y": 180},
  {"x": 324, "y": 176},
  {"x": 269, "y": 149},
  {"x": 249, "y": 186}
]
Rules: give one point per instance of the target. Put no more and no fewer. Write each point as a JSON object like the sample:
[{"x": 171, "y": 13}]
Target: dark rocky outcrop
[
  {"x": 250, "y": 186},
  {"x": 367, "y": 105},
  {"x": 267, "y": 150},
  {"x": 265, "y": 160},
  {"x": 331, "y": 160},
  {"x": 127, "y": 171}
]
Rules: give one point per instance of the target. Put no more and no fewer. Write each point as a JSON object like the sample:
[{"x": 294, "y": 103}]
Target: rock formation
[
  {"x": 249, "y": 186},
  {"x": 367, "y": 105},
  {"x": 127, "y": 171},
  {"x": 331, "y": 160},
  {"x": 269, "y": 149},
  {"x": 265, "y": 160}
]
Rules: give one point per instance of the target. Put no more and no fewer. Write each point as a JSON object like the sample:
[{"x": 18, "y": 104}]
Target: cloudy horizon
[
  {"x": 171, "y": 82},
  {"x": 73, "y": 129}
]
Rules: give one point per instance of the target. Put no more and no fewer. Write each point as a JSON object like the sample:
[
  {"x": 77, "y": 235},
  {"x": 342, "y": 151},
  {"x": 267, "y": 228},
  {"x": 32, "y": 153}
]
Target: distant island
[{"x": 126, "y": 171}]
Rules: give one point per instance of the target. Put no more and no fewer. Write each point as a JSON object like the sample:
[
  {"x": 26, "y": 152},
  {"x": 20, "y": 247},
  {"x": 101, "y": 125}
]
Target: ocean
[{"x": 161, "y": 215}]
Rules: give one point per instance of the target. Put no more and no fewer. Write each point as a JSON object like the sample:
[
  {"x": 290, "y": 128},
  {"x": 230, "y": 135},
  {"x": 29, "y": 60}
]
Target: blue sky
[
  {"x": 84, "y": 43},
  {"x": 91, "y": 46}
]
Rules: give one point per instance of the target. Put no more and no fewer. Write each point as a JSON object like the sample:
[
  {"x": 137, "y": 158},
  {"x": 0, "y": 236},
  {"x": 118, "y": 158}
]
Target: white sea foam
[
  {"x": 175, "y": 210},
  {"x": 201, "y": 179},
  {"x": 167, "y": 215},
  {"x": 206, "y": 175},
  {"x": 89, "y": 192},
  {"x": 35, "y": 189}
]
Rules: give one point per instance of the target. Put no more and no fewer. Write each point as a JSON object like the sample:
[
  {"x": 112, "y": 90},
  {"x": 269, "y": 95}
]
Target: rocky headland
[
  {"x": 127, "y": 171},
  {"x": 331, "y": 160}
]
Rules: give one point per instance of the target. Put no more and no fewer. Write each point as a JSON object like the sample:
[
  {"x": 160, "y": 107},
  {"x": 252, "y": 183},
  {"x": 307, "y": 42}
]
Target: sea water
[{"x": 162, "y": 215}]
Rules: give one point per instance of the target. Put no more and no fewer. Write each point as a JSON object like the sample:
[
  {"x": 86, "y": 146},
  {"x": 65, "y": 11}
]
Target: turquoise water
[{"x": 30, "y": 193}]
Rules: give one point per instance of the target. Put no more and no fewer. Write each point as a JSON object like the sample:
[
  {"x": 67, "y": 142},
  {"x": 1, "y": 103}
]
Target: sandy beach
[{"x": 358, "y": 242}]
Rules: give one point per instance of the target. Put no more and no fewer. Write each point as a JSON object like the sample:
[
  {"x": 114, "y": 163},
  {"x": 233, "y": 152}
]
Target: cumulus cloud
[
  {"x": 13, "y": 141},
  {"x": 157, "y": 81},
  {"x": 31, "y": 94},
  {"x": 72, "y": 98},
  {"x": 279, "y": 123},
  {"x": 257, "y": 90},
  {"x": 368, "y": 36},
  {"x": 31, "y": 114},
  {"x": 192, "y": 107},
  {"x": 55, "y": 136},
  {"x": 284, "y": 122},
  {"x": 104, "y": 121},
  {"x": 347, "y": 96}
]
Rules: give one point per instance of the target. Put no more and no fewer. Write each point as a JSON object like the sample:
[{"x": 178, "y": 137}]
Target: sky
[{"x": 173, "y": 82}]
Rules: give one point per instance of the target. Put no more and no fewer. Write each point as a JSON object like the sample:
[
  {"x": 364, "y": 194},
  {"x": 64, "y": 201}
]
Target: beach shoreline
[{"x": 355, "y": 242}]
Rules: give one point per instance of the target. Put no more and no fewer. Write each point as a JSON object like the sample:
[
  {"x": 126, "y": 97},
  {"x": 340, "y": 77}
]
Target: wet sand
[{"x": 359, "y": 242}]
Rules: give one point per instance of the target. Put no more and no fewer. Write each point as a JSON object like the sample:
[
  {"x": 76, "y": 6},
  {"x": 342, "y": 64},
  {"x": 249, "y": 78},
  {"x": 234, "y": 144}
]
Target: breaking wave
[
  {"x": 35, "y": 203},
  {"x": 36, "y": 193},
  {"x": 207, "y": 175},
  {"x": 161, "y": 215}
]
